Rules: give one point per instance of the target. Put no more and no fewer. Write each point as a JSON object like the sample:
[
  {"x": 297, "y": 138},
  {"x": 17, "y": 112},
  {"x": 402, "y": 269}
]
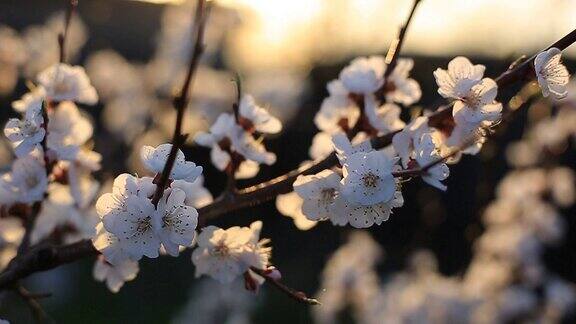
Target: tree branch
[
  {"x": 32, "y": 301},
  {"x": 72, "y": 5},
  {"x": 296, "y": 295},
  {"x": 181, "y": 101},
  {"x": 396, "y": 46}
]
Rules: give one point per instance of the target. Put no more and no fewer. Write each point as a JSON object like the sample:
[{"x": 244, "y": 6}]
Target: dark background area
[{"x": 444, "y": 222}]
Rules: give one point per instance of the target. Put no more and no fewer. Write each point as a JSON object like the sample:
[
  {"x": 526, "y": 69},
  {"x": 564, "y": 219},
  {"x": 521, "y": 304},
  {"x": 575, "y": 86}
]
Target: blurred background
[{"x": 286, "y": 52}]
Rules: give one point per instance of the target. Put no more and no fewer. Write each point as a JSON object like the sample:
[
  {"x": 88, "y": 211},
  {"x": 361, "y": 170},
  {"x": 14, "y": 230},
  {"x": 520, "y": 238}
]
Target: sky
[{"x": 296, "y": 33}]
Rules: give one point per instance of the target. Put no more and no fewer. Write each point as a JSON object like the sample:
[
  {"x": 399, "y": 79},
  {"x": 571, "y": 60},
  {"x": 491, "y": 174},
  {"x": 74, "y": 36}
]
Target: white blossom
[
  {"x": 553, "y": 77},
  {"x": 68, "y": 129},
  {"x": 336, "y": 113},
  {"x": 364, "y": 75},
  {"x": 345, "y": 148},
  {"x": 127, "y": 213},
  {"x": 385, "y": 118},
  {"x": 368, "y": 178},
  {"x": 219, "y": 137},
  {"x": 27, "y": 182},
  {"x": 60, "y": 211},
  {"x": 115, "y": 275},
  {"x": 63, "y": 82},
  {"x": 322, "y": 196},
  {"x": 226, "y": 254},
  {"x": 228, "y": 140},
  {"x": 174, "y": 222},
  {"x": 257, "y": 117},
  {"x": 458, "y": 80},
  {"x": 197, "y": 195},
  {"x": 399, "y": 87},
  {"x": 321, "y": 146},
  {"x": 363, "y": 216},
  {"x": 426, "y": 153},
  {"x": 479, "y": 104},
  {"x": 109, "y": 245},
  {"x": 155, "y": 159},
  {"x": 475, "y": 97},
  {"x": 32, "y": 100},
  {"x": 406, "y": 140},
  {"x": 25, "y": 135},
  {"x": 252, "y": 149},
  {"x": 134, "y": 228}
]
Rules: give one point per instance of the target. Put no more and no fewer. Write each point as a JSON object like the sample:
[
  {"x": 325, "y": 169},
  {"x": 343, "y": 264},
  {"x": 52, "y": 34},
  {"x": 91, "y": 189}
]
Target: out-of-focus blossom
[
  {"x": 399, "y": 87},
  {"x": 226, "y": 254},
  {"x": 290, "y": 205},
  {"x": 12, "y": 55},
  {"x": 385, "y": 118},
  {"x": 27, "y": 181},
  {"x": 257, "y": 118},
  {"x": 41, "y": 43},
  {"x": 11, "y": 233},
  {"x": 349, "y": 279},
  {"x": 364, "y": 75},
  {"x": 65, "y": 82},
  {"x": 211, "y": 301}
]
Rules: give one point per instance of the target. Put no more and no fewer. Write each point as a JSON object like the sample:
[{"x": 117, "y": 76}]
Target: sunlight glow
[{"x": 297, "y": 33}]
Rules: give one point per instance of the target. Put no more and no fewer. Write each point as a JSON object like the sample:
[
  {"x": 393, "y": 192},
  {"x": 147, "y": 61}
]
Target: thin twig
[
  {"x": 396, "y": 46},
  {"x": 181, "y": 100},
  {"x": 29, "y": 226},
  {"x": 296, "y": 295},
  {"x": 72, "y": 5},
  {"x": 31, "y": 300}
]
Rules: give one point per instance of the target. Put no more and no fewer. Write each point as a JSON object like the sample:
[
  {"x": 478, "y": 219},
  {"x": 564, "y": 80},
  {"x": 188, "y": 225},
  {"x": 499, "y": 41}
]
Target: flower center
[
  {"x": 221, "y": 250},
  {"x": 472, "y": 100},
  {"x": 28, "y": 129},
  {"x": 31, "y": 181},
  {"x": 144, "y": 225},
  {"x": 370, "y": 180},
  {"x": 327, "y": 195},
  {"x": 62, "y": 87}
]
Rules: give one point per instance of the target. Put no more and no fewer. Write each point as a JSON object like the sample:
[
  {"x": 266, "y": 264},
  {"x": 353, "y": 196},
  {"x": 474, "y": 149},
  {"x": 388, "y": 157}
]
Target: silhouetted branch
[
  {"x": 296, "y": 295},
  {"x": 72, "y": 5},
  {"x": 181, "y": 101},
  {"x": 396, "y": 46},
  {"x": 31, "y": 300}
]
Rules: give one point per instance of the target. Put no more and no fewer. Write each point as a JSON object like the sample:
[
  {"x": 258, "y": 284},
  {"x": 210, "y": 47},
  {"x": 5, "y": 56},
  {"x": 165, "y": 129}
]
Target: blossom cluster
[
  {"x": 132, "y": 226},
  {"x": 506, "y": 280},
  {"x": 232, "y": 142},
  {"x": 51, "y": 181},
  {"x": 54, "y": 160},
  {"x": 365, "y": 192}
]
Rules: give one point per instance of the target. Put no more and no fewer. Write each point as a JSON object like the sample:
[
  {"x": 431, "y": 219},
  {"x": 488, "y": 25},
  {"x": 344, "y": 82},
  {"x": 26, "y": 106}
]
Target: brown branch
[
  {"x": 523, "y": 70},
  {"x": 396, "y": 46},
  {"x": 72, "y": 5},
  {"x": 31, "y": 300},
  {"x": 44, "y": 257},
  {"x": 29, "y": 226},
  {"x": 181, "y": 101},
  {"x": 296, "y": 295},
  {"x": 40, "y": 258}
]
